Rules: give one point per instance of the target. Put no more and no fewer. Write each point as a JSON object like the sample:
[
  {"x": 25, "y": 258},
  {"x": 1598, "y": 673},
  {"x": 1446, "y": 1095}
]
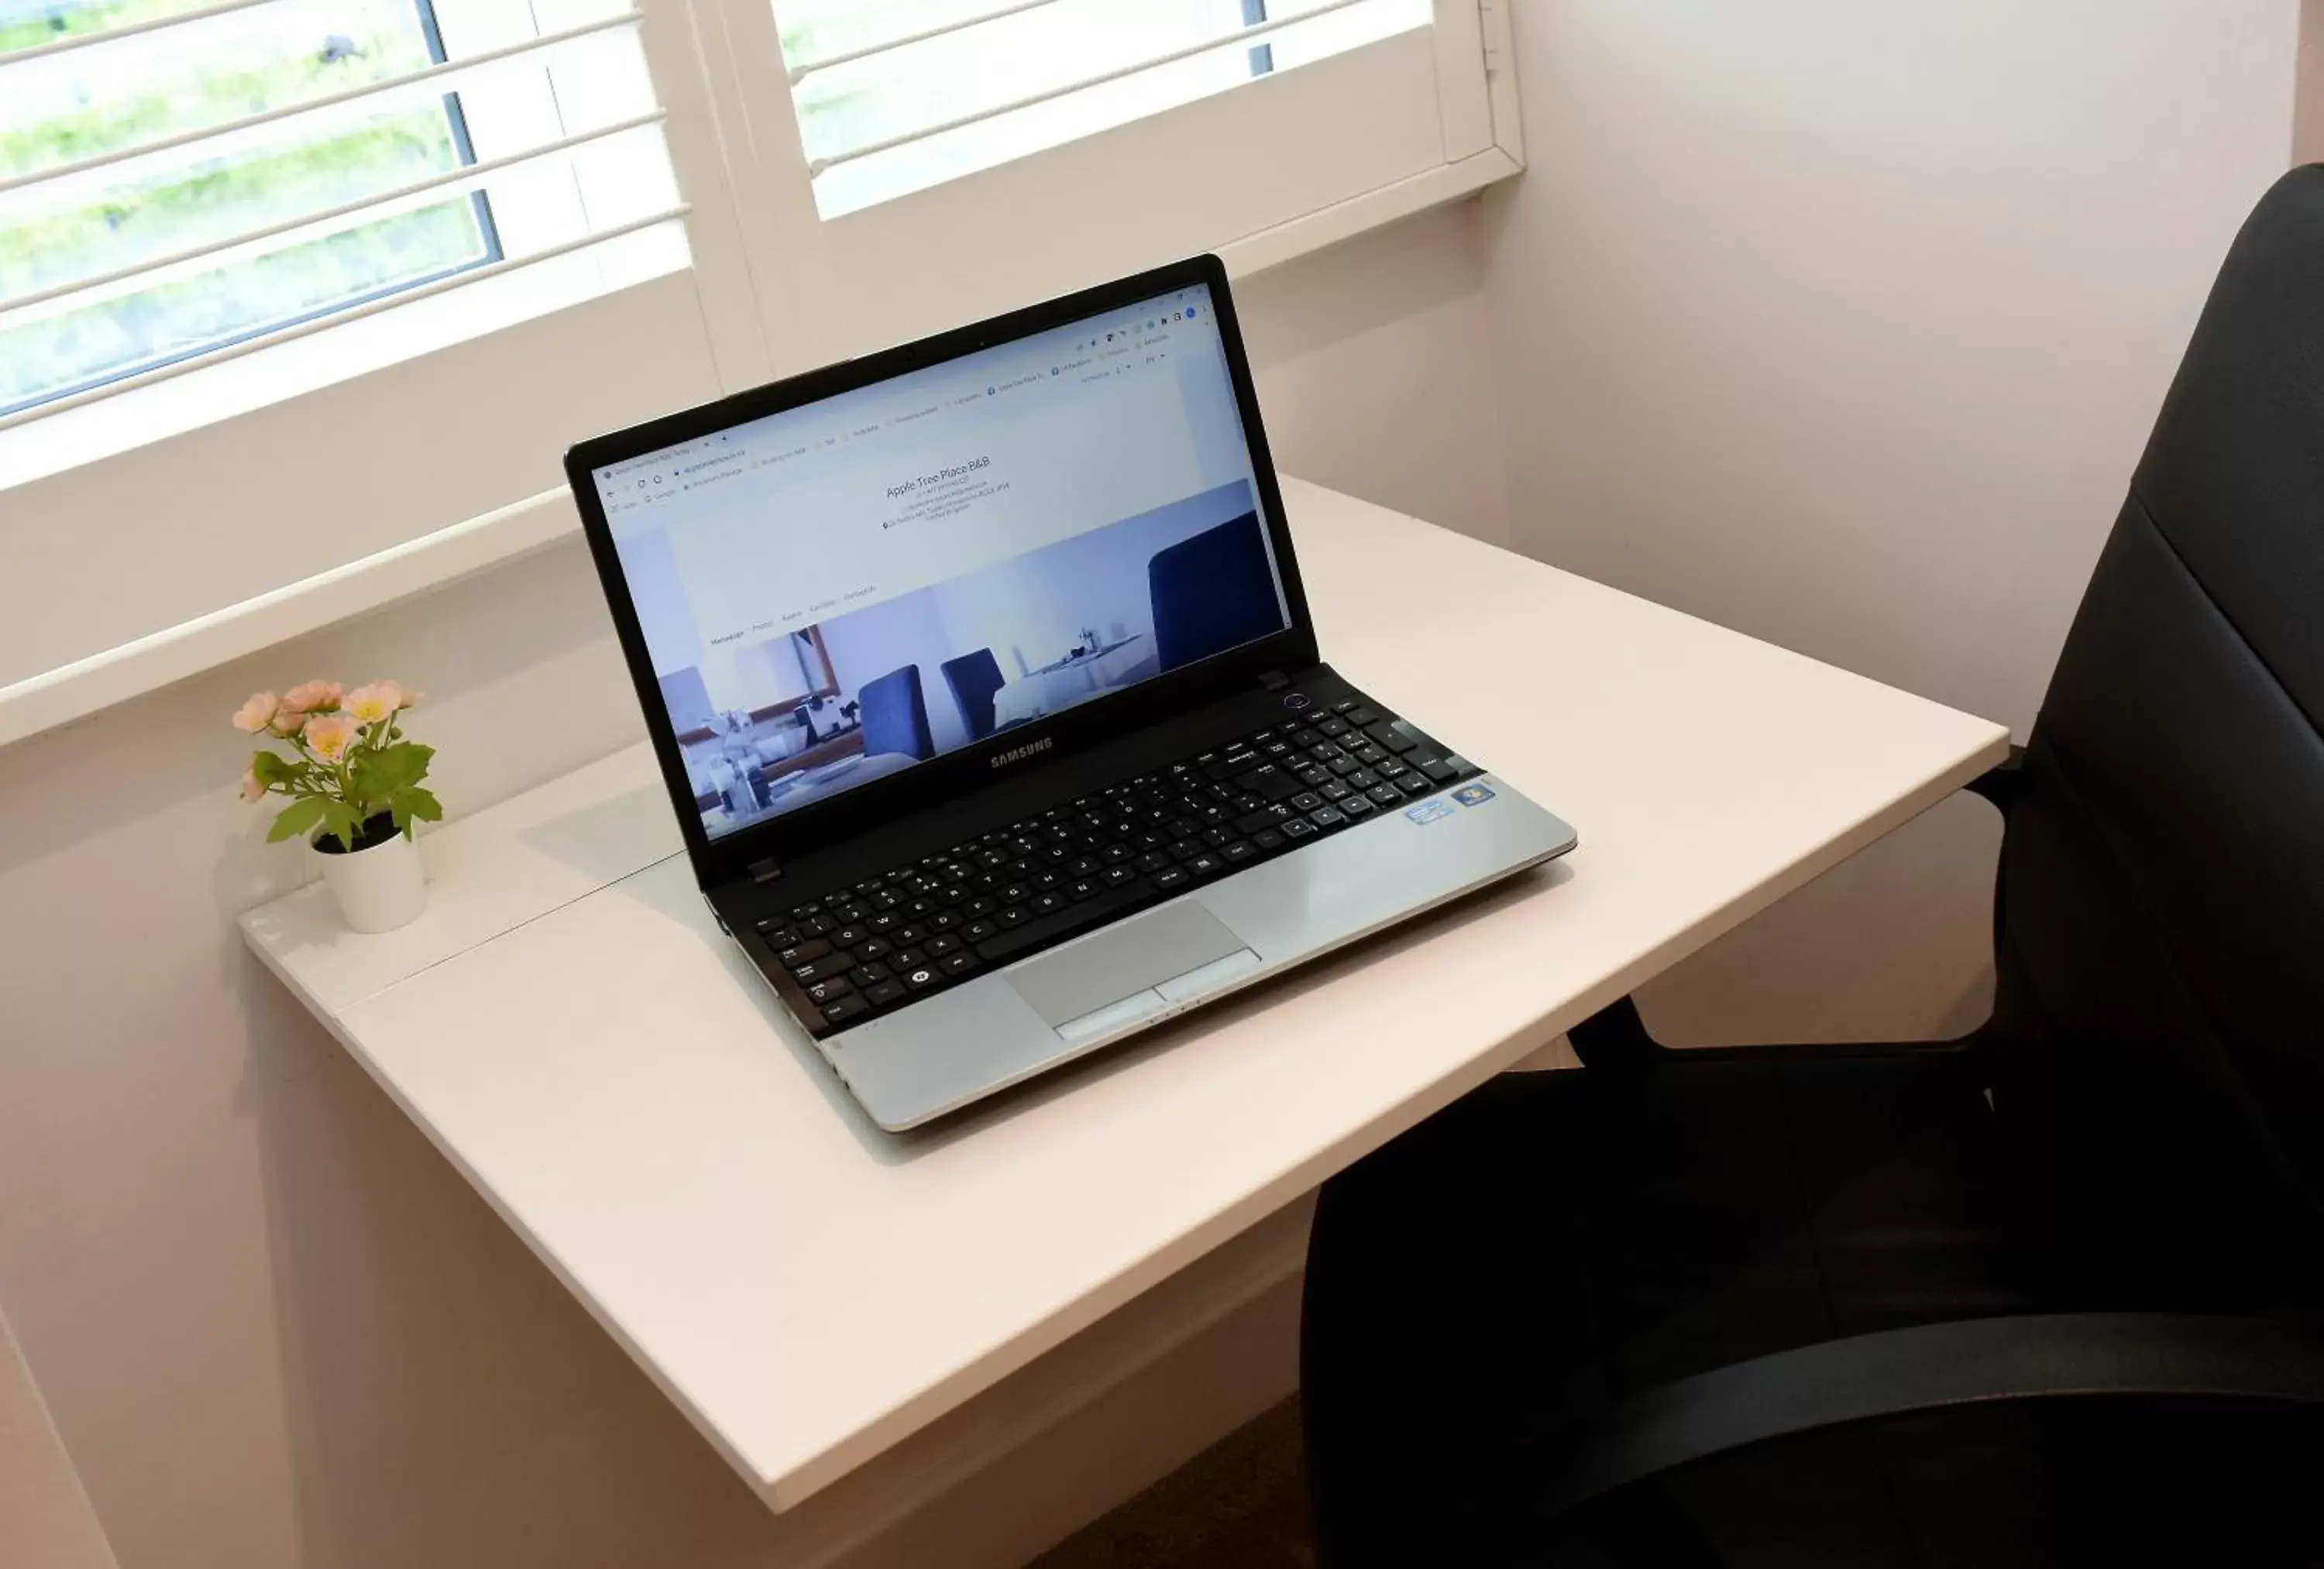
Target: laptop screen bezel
[{"x": 781, "y": 838}]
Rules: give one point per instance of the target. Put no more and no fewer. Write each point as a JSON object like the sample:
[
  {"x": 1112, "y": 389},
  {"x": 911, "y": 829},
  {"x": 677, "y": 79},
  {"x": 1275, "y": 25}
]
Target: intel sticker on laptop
[
  {"x": 1474, "y": 794},
  {"x": 1429, "y": 810}
]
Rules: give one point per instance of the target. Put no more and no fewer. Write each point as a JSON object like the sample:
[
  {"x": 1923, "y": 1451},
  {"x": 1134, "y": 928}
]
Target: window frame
[
  {"x": 115, "y": 495},
  {"x": 824, "y": 298},
  {"x": 755, "y": 303}
]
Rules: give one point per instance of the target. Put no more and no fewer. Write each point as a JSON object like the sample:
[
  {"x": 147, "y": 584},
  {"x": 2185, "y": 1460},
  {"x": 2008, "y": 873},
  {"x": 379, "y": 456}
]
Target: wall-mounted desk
[{"x": 570, "y": 1027}]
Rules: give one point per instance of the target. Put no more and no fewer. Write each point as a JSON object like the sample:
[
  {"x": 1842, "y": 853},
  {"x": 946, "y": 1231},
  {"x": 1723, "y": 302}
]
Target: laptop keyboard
[{"x": 892, "y": 939}]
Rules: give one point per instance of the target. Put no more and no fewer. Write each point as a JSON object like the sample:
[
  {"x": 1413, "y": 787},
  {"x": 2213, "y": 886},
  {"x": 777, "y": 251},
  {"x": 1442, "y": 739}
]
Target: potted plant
[{"x": 354, "y": 786}]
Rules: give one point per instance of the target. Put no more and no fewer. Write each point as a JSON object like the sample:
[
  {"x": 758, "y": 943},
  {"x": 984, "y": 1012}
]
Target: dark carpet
[{"x": 1239, "y": 1504}]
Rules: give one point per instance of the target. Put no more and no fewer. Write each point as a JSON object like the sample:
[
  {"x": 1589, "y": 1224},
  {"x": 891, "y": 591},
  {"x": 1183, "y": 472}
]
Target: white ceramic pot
[{"x": 378, "y": 889}]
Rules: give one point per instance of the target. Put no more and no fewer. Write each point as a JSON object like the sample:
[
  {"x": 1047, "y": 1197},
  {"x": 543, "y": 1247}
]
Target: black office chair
[
  {"x": 973, "y": 679},
  {"x": 1211, "y": 592},
  {"x": 2044, "y": 1294},
  {"x": 896, "y": 715}
]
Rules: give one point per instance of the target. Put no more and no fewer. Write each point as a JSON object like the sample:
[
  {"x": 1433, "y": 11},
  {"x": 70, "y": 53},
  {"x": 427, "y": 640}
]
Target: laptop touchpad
[{"x": 1123, "y": 961}]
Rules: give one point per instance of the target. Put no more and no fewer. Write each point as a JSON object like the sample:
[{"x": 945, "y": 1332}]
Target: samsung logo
[{"x": 1018, "y": 754}]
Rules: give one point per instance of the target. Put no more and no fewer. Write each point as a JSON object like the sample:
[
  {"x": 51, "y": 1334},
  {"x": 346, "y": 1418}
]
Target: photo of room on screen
[{"x": 771, "y": 724}]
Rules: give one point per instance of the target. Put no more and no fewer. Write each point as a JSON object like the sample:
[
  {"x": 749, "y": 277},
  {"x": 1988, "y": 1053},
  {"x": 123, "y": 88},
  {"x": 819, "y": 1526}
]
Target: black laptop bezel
[{"x": 767, "y": 845}]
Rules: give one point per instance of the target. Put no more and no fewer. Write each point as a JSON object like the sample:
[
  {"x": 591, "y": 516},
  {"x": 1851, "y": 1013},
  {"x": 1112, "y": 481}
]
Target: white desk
[
  {"x": 570, "y": 1027},
  {"x": 1055, "y": 688}
]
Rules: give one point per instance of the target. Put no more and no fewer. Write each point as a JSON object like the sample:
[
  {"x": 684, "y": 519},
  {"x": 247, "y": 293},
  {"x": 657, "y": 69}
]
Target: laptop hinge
[
  {"x": 1274, "y": 680},
  {"x": 765, "y": 871}
]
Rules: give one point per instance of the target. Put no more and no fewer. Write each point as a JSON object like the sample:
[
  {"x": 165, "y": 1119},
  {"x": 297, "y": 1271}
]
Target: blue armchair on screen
[
  {"x": 973, "y": 679},
  {"x": 895, "y": 715},
  {"x": 1211, "y": 592}
]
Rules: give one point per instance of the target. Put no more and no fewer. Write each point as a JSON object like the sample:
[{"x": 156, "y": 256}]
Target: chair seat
[{"x": 1559, "y": 1241}]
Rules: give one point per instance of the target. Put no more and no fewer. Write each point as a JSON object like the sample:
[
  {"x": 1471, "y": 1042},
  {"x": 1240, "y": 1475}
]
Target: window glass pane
[
  {"x": 129, "y": 93},
  {"x": 29, "y": 24},
  {"x": 900, "y": 92},
  {"x": 133, "y": 90},
  {"x": 1345, "y": 30},
  {"x": 1013, "y": 57}
]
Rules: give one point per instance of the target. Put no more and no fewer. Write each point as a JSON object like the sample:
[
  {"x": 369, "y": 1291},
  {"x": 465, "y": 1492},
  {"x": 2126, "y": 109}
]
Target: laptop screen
[{"x": 835, "y": 593}]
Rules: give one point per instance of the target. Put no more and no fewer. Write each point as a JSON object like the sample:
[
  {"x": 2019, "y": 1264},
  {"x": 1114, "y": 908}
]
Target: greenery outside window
[
  {"x": 133, "y": 179},
  {"x": 895, "y": 97}
]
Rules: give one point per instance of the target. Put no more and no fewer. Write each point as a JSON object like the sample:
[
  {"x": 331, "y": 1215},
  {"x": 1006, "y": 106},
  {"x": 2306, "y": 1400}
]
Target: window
[
  {"x": 279, "y": 254},
  {"x": 97, "y": 217},
  {"x": 176, "y": 179},
  {"x": 319, "y": 278},
  {"x": 896, "y": 96},
  {"x": 923, "y": 161}
]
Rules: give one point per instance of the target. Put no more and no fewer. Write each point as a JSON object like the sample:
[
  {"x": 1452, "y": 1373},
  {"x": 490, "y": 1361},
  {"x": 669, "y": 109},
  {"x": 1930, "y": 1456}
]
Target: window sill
[{"x": 1312, "y": 232}]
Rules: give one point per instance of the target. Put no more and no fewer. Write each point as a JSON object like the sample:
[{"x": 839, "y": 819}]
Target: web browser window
[{"x": 834, "y": 594}]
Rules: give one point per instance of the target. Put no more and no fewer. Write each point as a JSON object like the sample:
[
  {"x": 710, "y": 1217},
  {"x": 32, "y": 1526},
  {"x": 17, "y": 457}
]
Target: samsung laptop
[{"x": 981, "y": 677}]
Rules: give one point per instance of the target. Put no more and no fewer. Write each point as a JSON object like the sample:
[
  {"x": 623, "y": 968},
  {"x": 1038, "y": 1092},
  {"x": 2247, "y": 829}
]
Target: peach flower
[
  {"x": 256, "y": 714},
  {"x": 330, "y": 735},
  {"x": 312, "y": 697},
  {"x": 252, "y": 789},
  {"x": 370, "y": 704}
]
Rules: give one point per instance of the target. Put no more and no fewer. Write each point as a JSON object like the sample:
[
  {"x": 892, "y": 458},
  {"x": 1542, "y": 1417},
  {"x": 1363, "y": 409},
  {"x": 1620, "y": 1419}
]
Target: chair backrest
[
  {"x": 687, "y": 698},
  {"x": 1211, "y": 592},
  {"x": 895, "y": 716},
  {"x": 973, "y": 679},
  {"x": 2159, "y": 920}
]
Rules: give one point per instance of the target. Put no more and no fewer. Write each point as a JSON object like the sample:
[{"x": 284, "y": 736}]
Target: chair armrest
[
  {"x": 1615, "y": 1039},
  {"x": 1935, "y": 1367},
  {"x": 2003, "y": 783}
]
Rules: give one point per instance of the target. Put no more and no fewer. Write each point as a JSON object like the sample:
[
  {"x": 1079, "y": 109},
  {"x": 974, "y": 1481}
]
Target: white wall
[
  {"x": 1370, "y": 369},
  {"x": 275, "y": 1328},
  {"x": 45, "y": 1518},
  {"x": 1843, "y": 324},
  {"x": 2308, "y": 106}
]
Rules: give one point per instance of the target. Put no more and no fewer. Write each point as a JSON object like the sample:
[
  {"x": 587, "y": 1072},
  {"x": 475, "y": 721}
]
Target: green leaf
[
  {"x": 414, "y": 802},
  {"x": 281, "y": 773},
  {"x": 341, "y": 821},
  {"x": 378, "y": 774},
  {"x": 297, "y": 817}
]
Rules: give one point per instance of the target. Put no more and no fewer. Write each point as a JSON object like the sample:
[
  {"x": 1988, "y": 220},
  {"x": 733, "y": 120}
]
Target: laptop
[{"x": 981, "y": 679}]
